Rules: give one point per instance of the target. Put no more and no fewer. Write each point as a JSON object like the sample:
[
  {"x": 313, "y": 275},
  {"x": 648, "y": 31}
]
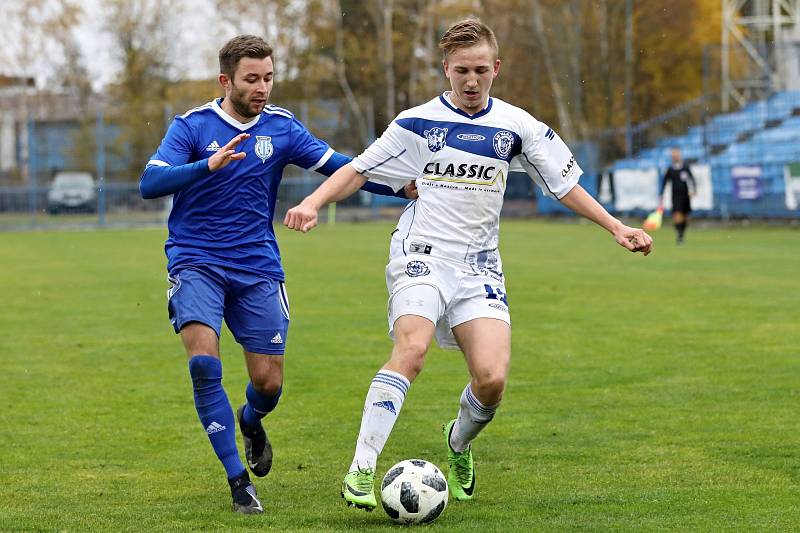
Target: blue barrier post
[
  {"x": 100, "y": 163},
  {"x": 32, "y": 181}
]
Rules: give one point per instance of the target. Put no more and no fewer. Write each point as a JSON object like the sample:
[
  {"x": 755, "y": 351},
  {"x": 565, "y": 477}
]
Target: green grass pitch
[{"x": 646, "y": 394}]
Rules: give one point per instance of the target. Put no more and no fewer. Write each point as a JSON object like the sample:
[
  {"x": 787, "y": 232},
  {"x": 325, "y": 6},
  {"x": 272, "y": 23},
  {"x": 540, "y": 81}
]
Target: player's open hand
[
  {"x": 301, "y": 217},
  {"x": 227, "y": 153},
  {"x": 634, "y": 239}
]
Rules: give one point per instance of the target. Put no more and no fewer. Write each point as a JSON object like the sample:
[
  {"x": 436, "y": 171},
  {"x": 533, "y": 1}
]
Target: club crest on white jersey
[
  {"x": 503, "y": 142},
  {"x": 263, "y": 147},
  {"x": 437, "y": 138}
]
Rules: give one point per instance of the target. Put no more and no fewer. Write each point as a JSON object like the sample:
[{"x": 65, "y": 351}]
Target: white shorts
[{"x": 444, "y": 292}]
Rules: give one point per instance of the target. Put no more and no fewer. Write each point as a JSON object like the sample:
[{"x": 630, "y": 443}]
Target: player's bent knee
[
  {"x": 412, "y": 352},
  {"x": 408, "y": 359},
  {"x": 490, "y": 387},
  {"x": 267, "y": 384},
  {"x": 266, "y": 378}
]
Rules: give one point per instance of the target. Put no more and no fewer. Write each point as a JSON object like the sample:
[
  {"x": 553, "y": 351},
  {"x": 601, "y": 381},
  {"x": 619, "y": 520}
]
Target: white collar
[{"x": 241, "y": 126}]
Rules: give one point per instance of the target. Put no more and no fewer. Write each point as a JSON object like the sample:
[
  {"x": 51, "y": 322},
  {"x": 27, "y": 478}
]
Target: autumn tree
[{"x": 38, "y": 43}]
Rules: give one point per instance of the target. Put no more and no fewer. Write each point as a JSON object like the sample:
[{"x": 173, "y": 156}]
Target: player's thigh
[
  {"x": 481, "y": 324},
  {"x": 486, "y": 343},
  {"x": 196, "y": 305},
  {"x": 412, "y": 338},
  {"x": 419, "y": 300},
  {"x": 418, "y": 286},
  {"x": 199, "y": 339},
  {"x": 257, "y": 313},
  {"x": 413, "y": 332}
]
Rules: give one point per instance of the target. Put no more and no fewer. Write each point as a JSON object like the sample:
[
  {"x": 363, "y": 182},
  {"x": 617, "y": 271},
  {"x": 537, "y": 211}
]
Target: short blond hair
[{"x": 465, "y": 33}]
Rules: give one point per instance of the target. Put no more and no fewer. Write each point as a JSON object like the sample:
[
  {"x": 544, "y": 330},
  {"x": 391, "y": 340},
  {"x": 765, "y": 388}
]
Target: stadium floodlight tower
[{"x": 761, "y": 41}]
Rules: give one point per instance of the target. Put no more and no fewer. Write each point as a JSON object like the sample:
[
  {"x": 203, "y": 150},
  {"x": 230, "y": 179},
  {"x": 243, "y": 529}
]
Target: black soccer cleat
[
  {"x": 257, "y": 448},
  {"x": 244, "y": 496}
]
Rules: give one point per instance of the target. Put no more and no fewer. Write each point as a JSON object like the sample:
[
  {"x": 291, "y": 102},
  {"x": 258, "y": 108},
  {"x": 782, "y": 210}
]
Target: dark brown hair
[
  {"x": 465, "y": 33},
  {"x": 239, "y": 47}
]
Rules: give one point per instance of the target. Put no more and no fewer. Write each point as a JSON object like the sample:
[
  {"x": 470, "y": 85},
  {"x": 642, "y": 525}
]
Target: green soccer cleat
[
  {"x": 357, "y": 489},
  {"x": 461, "y": 472}
]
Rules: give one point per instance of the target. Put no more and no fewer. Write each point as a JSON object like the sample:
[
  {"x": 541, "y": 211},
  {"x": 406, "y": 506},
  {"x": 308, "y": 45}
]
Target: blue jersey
[{"x": 225, "y": 217}]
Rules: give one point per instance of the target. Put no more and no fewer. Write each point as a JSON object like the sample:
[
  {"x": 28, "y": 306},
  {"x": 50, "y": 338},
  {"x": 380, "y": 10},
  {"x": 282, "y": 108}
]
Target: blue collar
[{"x": 448, "y": 103}]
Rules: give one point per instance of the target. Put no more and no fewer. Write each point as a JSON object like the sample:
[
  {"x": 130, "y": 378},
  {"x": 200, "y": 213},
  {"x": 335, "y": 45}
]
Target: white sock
[
  {"x": 381, "y": 408},
  {"x": 472, "y": 418}
]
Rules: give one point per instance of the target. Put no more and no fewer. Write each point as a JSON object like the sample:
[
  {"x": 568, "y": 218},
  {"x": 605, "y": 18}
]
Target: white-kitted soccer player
[{"x": 445, "y": 276}]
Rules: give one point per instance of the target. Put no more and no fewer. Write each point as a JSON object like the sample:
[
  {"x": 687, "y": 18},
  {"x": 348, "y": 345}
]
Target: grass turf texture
[{"x": 655, "y": 393}]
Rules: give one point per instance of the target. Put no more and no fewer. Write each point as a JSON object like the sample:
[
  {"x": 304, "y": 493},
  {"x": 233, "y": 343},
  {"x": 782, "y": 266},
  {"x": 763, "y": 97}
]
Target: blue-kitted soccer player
[{"x": 223, "y": 162}]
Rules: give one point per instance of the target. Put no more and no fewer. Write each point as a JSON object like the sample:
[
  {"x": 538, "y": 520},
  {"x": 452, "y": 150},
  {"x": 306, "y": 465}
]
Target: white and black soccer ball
[{"x": 414, "y": 492}]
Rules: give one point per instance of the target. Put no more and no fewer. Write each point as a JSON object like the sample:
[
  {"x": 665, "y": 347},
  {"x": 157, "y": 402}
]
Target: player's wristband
[{"x": 383, "y": 190}]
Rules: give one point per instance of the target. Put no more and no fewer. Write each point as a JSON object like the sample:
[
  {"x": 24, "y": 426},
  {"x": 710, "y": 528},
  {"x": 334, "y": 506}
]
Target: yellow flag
[{"x": 653, "y": 220}]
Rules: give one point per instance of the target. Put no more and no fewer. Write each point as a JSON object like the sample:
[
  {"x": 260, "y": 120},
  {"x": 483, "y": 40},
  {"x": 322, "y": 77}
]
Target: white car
[{"x": 72, "y": 191}]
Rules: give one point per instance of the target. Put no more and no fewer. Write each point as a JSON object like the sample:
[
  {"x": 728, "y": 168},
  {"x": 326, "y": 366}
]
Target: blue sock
[
  {"x": 215, "y": 411},
  {"x": 258, "y": 405}
]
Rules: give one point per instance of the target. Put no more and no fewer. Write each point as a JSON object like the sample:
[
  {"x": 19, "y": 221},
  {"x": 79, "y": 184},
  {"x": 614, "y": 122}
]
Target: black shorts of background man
[{"x": 683, "y": 188}]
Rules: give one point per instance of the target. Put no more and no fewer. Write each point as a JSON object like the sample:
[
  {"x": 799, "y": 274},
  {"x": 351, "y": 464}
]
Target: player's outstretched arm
[
  {"x": 634, "y": 239},
  {"x": 339, "y": 186},
  {"x": 160, "y": 179}
]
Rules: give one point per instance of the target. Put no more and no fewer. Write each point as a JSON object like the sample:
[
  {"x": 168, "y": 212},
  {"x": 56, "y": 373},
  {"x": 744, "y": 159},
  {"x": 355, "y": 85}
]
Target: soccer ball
[{"x": 414, "y": 492}]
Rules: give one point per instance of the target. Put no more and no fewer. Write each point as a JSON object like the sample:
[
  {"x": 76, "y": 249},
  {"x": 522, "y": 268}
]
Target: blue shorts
[{"x": 255, "y": 308}]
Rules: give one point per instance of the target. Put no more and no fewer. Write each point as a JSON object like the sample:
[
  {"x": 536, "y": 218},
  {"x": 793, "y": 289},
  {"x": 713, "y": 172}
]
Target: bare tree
[
  {"x": 283, "y": 23},
  {"x": 341, "y": 76},
  {"x": 555, "y": 84},
  {"x": 605, "y": 58},
  {"x": 142, "y": 34},
  {"x": 382, "y": 12},
  {"x": 418, "y": 18},
  {"x": 572, "y": 12},
  {"x": 36, "y": 35}
]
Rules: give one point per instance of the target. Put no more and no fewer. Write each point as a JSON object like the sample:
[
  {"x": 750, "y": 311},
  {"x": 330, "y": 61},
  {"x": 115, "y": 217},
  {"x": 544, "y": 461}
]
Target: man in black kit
[{"x": 683, "y": 188}]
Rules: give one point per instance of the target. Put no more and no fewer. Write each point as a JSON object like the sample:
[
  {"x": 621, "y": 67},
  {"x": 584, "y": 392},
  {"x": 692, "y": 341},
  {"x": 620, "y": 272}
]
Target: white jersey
[{"x": 461, "y": 163}]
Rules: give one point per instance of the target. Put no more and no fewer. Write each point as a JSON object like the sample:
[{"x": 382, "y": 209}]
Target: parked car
[{"x": 72, "y": 191}]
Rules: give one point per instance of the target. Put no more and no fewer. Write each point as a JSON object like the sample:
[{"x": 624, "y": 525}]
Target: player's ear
[
  {"x": 496, "y": 68},
  {"x": 444, "y": 64},
  {"x": 224, "y": 80}
]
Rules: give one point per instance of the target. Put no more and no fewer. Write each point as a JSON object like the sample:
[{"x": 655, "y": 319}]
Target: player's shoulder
[
  {"x": 429, "y": 110},
  {"x": 198, "y": 118},
  {"x": 514, "y": 116},
  {"x": 277, "y": 112},
  {"x": 198, "y": 112}
]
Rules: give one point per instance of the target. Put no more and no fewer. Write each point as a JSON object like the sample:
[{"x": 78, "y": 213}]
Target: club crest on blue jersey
[
  {"x": 437, "y": 138},
  {"x": 503, "y": 142},
  {"x": 416, "y": 269},
  {"x": 263, "y": 147}
]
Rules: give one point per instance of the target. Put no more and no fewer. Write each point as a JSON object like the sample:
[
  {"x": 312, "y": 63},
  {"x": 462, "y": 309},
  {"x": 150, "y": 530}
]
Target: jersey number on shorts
[{"x": 495, "y": 294}]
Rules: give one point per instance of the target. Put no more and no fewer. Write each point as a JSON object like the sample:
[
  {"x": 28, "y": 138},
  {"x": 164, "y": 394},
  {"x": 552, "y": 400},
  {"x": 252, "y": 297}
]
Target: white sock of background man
[
  {"x": 472, "y": 418},
  {"x": 381, "y": 408}
]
